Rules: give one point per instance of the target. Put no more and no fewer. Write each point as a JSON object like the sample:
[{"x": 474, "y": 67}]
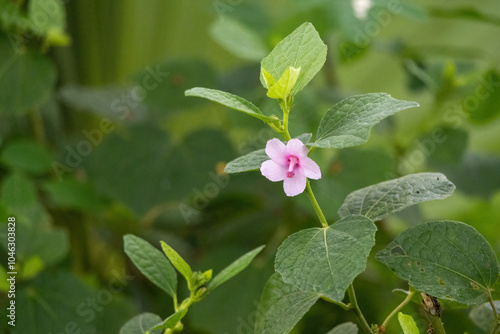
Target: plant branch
[
  {"x": 38, "y": 127},
  {"x": 495, "y": 329},
  {"x": 315, "y": 205},
  {"x": 396, "y": 310},
  {"x": 345, "y": 307},
  {"x": 355, "y": 307}
]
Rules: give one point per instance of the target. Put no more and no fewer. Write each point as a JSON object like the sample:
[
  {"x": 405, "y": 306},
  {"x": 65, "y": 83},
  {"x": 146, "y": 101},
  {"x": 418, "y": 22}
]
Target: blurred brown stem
[{"x": 38, "y": 127}]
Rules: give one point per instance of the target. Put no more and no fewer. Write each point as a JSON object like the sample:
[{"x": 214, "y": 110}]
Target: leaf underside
[{"x": 383, "y": 199}]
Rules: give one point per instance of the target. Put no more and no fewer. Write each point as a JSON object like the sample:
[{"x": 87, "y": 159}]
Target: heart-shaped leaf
[
  {"x": 445, "y": 259},
  {"x": 326, "y": 260}
]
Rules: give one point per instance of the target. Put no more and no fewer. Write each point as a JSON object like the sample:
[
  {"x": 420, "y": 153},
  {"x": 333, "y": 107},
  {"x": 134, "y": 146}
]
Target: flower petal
[
  {"x": 295, "y": 185},
  {"x": 272, "y": 171},
  {"x": 310, "y": 168},
  {"x": 297, "y": 148},
  {"x": 275, "y": 150}
]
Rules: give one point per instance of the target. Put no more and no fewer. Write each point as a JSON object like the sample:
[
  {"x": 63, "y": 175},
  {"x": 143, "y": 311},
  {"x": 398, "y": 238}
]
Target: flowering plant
[{"x": 440, "y": 260}]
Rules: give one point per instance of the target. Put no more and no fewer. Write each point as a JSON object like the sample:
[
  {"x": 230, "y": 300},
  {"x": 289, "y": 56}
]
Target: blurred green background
[{"x": 97, "y": 140}]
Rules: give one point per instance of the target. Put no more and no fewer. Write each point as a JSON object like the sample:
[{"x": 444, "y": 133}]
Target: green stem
[
  {"x": 345, "y": 307},
  {"x": 315, "y": 205},
  {"x": 496, "y": 329},
  {"x": 437, "y": 324},
  {"x": 355, "y": 307},
  {"x": 38, "y": 127},
  {"x": 176, "y": 303},
  {"x": 286, "y": 134},
  {"x": 397, "y": 309}
]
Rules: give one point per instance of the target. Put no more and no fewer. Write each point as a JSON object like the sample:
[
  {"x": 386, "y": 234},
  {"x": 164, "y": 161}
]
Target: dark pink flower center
[{"x": 292, "y": 163}]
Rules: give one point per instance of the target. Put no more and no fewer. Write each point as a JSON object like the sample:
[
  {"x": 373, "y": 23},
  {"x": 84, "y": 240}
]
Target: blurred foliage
[{"x": 97, "y": 141}]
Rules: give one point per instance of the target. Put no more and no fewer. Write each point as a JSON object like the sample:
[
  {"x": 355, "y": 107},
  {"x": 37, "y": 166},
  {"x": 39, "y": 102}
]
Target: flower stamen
[{"x": 293, "y": 163}]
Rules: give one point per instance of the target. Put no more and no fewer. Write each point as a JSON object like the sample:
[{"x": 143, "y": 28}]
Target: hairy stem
[
  {"x": 315, "y": 205},
  {"x": 355, "y": 307}
]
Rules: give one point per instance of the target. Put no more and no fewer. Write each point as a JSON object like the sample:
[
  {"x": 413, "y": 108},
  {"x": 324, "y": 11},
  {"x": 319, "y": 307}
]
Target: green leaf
[
  {"x": 445, "y": 259},
  {"x": 246, "y": 163},
  {"x": 72, "y": 194},
  {"x": 178, "y": 262},
  {"x": 234, "y": 268},
  {"x": 229, "y": 100},
  {"x": 478, "y": 175},
  {"x": 253, "y": 160},
  {"x": 113, "y": 172},
  {"x": 32, "y": 267},
  {"x": 27, "y": 79},
  {"x": 48, "y": 18},
  {"x": 444, "y": 147},
  {"x": 27, "y": 156},
  {"x": 238, "y": 39},
  {"x": 282, "y": 88},
  {"x": 304, "y": 49},
  {"x": 51, "y": 302},
  {"x": 51, "y": 245},
  {"x": 141, "y": 324},
  {"x": 407, "y": 324},
  {"x": 383, "y": 199},
  {"x": 326, "y": 260},
  {"x": 483, "y": 316},
  {"x": 281, "y": 306},
  {"x": 18, "y": 192},
  {"x": 172, "y": 320},
  {"x": 152, "y": 263},
  {"x": 348, "y": 123},
  {"x": 267, "y": 79},
  {"x": 487, "y": 110},
  {"x": 345, "y": 328}
]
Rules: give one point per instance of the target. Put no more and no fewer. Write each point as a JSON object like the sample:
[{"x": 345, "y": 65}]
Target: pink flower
[{"x": 289, "y": 164}]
